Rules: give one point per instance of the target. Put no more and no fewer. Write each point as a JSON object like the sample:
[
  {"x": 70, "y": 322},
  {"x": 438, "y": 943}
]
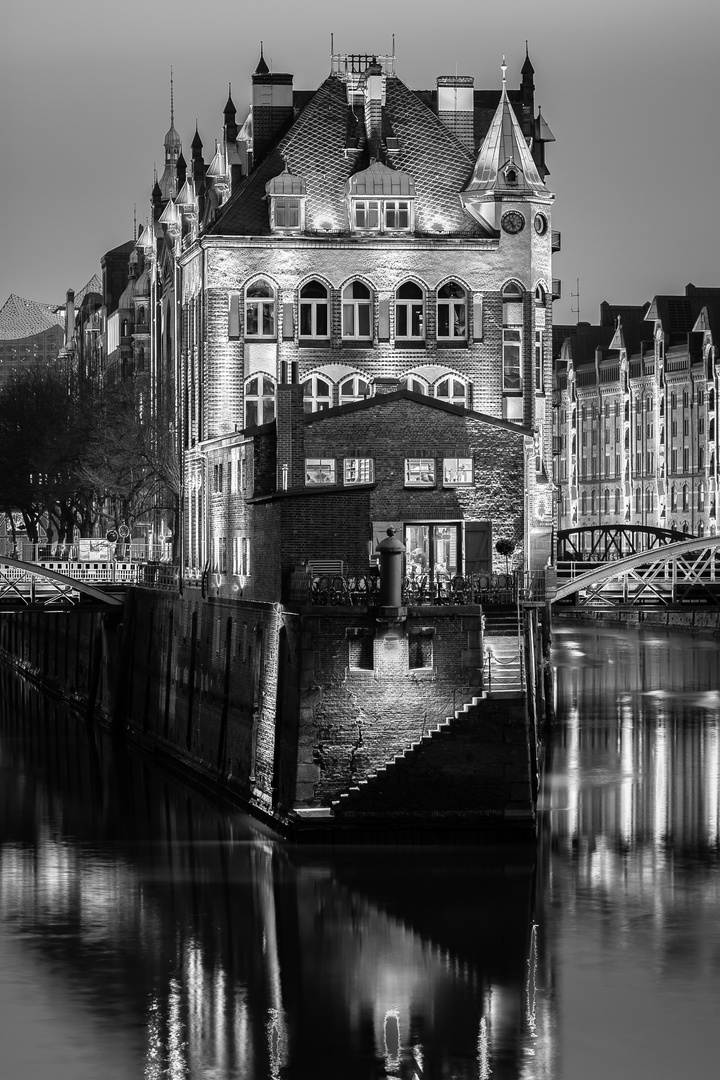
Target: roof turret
[
  {"x": 197, "y": 144},
  {"x": 262, "y": 68}
]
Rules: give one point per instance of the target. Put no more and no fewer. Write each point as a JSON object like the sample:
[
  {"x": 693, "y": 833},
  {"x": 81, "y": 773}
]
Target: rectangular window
[
  {"x": 319, "y": 470},
  {"x": 686, "y": 458},
  {"x": 420, "y": 651},
  {"x": 539, "y": 360},
  {"x": 287, "y": 212},
  {"x": 419, "y": 472},
  {"x": 360, "y": 652},
  {"x": 457, "y": 472},
  {"x": 397, "y": 214},
  {"x": 674, "y": 428},
  {"x": 245, "y": 550},
  {"x": 700, "y": 425},
  {"x": 358, "y": 471},
  {"x": 223, "y": 555},
  {"x": 511, "y": 358},
  {"x": 367, "y": 214},
  {"x": 701, "y": 397},
  {"x": 617, "y": 464},
  {"x": 686, "y": 427},
  {"x": 673, "y": 460}
]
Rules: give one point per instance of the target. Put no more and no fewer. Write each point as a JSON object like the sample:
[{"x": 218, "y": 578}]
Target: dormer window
[
  {"x": 382, "y": 215},
  {"x": 381, "y": 200},
  {"x": 286, "y": 195},
  {"x": 511, "y": 176}
]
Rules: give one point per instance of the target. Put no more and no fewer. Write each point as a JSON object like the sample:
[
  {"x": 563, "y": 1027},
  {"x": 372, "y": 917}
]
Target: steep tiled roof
[
  {"x": 20, "y": 318},
  {"x": 505, "y": 143},
  {"x": 94, "y": 285},
  {"x": 315, "y": 148}
]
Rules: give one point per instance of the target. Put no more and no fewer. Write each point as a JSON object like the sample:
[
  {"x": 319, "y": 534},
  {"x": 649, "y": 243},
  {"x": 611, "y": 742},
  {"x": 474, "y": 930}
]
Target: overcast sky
[{"x": 630, "y": 89}]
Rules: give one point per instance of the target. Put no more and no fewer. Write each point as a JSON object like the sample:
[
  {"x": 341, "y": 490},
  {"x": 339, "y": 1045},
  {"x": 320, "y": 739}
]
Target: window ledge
[
  {"x": 314, "y": 343},
  {"x": 452, "y": 343},
  {"x": 410, "y": 343}
]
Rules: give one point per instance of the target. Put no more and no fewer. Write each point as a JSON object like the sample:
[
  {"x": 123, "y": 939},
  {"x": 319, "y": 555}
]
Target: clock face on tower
[
  {"x": 513, "y": 221},
  {"x": 541, "y": 224}
]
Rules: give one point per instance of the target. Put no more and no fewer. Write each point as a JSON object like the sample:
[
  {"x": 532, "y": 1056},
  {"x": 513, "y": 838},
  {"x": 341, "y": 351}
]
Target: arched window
[
  {"x": 512, "y": 292},
  {"x": 452, "y": 312},
  {"x": 673, "y": 499},
  {"x": 354, "y": 388},
  {"x": 711, "y": 429},
  {"x": 649, "y": 500},
  {"x": 417, "y": 385},
  {"x": 593, "y": 502},
  {"x": 700, "y": 528},
  {"x": 711, "y": 397},
  {"x": 317, "y": 394},
  {"x": 673, "y": 400},
  {"x": 701, "y": 497},
  {"x": 685, "y": 500},
  {"x": 141, "y": 316},
  {"x": 583, "y": 503},
  {"x": 617, "y": 500},
  {"x": 314, "y": 311},
  {"x": 583, "y": 413},
  {"x": 259, "y": 400},
  {"x": 685, "y": 528},
  {"x": 410, "y": 312},
  {"x": 606, "y": 501},
  {"x": 357, "y": 312},
  {"x": 627, "y": 410},
  {"x": 540, "y": 296},
  {"x": 124, "y": 331},
  {"x": 662, "y": 406},
  {"x": 638, "y": 501},
  {"x": 701, "y": 457},
  {"x": 260, "y": 310},
  {"x": 451, "y": 390}
]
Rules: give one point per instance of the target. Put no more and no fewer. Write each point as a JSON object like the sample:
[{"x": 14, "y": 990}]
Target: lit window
[
  {"x": 409, "y": 312},
  {"x": 452, "y": 391},
  {"x": 452, "y": 311},
  {"x": 259, "y": 400},
  {"x": 357, "y": 311},
  {"x": 286, "y": 212},
  {"x": 317, "y": 394},
  {"x": 260, "y": 310},
  {"x": 358, "y": 470},
  {"x": 319, "y": 470},
  {"x": 511, "y": 358},
  {"x": 457, "y": 472},
  {"x": 420, "y": 472},
  {"x": 354, "y": 388},
  {"x": 314, "y": 311},
  {"x": 382, "y": 215}
]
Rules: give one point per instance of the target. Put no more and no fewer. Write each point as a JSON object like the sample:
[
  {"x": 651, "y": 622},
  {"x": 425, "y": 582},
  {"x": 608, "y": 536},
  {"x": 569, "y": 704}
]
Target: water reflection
[
  {"x": 145, "y": 933},
  {"x": 629, "y": 870},
  {"x": 203, "y": 948}
]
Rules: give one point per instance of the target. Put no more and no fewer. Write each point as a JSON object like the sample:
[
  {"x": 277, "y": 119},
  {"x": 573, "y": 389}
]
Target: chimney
[
  {"x": 272, "y": 109},
  {"x": 456, "y": 107},
  {"x": 374, "y": 101},
  {"x": 290, "y": 426},
  {"x": 69, "y": 317}
]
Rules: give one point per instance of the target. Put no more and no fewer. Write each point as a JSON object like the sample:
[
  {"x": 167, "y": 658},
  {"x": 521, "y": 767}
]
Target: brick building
[
  {"x": 636, "y": 431},
  {"x": 357, "y": 239}
]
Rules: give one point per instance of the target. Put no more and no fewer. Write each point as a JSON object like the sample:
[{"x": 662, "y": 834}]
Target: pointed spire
[
  {"x": 527, "y": 68},
  {"x": 197, "y": 144},
  {"x": 262, "y": 68},
  {"x": 229, "y": 109}
]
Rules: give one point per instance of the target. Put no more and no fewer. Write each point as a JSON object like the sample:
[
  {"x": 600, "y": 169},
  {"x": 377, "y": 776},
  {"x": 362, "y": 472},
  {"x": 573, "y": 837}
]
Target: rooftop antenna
[
  {"x": 332, "y": 45},
  {"x": 172, "y": 99},
  {"x": 575, "y": 296},
  {"x": 393, "y": 47},
  {"x": 135, "y": 232}
]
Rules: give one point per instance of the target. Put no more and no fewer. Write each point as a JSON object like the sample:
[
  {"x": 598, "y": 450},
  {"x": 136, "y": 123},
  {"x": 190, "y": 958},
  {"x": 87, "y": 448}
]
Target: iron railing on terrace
[{"x": 361, "y": 588}]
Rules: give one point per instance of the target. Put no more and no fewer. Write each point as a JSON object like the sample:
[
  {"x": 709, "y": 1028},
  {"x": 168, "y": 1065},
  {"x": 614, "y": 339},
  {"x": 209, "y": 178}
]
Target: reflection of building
[{"x": 635, "y": 418}]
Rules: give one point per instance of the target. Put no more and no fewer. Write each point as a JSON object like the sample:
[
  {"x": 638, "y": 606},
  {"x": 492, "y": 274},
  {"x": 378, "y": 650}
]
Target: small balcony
[
  {"x": 556, "y": 288},
  {"x": 556, "y": 240}
]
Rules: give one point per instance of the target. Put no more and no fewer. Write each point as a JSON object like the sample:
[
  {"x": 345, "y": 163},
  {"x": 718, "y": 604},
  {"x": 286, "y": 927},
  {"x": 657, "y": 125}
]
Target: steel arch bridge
[
  {"x": 27, "y": 586},
  {"x": 598, "y": 543},
  {"x": 670, "y": 573}
]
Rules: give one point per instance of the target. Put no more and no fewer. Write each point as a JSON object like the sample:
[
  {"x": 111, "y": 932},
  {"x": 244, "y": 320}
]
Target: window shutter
[
  {"x": 288, "y": 322},
  {"x": 384, "y": 320},
  {"x": 477, "y": 317},
  {"x": 478, "y": 556},
  {"x": 234, "y": 316}
]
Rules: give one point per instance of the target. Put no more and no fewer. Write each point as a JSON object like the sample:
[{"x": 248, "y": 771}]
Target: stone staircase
[
  {"x": 471, "y": 762},
  {"x": 503, "y": 671}
]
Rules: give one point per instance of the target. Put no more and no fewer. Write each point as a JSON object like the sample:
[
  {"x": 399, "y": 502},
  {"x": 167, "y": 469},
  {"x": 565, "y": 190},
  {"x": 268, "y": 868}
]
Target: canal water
[{"x": 145, "y": 933}]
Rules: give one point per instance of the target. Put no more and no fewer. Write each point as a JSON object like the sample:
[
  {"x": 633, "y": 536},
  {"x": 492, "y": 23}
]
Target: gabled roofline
[{"x": 378, "y": 400}]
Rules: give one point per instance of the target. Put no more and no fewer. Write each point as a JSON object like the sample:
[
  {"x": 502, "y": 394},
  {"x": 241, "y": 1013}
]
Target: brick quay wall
[{"x": 276, "y": 711}]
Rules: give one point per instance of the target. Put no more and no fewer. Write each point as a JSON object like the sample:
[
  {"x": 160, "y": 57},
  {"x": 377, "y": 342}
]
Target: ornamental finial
[{"x": 504, "y": 69}]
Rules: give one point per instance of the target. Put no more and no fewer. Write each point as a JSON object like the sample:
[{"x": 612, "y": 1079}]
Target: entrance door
[{"x": 432, "y": 550}]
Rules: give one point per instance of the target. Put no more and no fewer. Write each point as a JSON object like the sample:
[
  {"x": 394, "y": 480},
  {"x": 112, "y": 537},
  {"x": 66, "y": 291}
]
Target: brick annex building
[{"x": 364, "y": 286}]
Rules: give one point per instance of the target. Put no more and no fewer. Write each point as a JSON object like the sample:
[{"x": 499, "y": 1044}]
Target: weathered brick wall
[
  {"x": 197, "y": 678},
  {"x": 352, "y": 720}
]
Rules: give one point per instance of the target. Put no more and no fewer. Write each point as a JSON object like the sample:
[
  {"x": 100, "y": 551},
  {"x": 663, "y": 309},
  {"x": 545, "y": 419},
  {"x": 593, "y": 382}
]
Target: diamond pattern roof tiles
[
  {"x": 316, "y": 148},
  {"x": 20, "y": 318}
]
